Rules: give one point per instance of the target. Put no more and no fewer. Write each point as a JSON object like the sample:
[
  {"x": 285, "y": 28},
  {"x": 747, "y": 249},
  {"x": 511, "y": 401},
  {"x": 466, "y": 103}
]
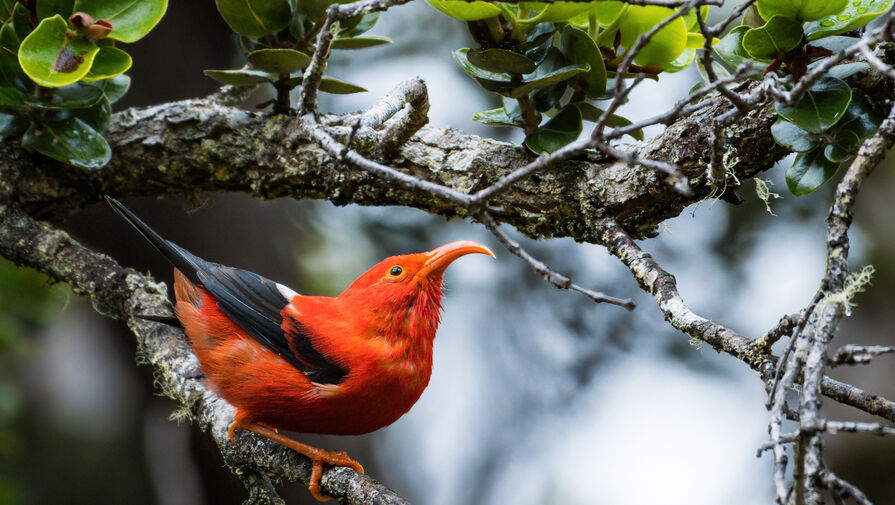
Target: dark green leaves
[
  {"x": 73, "y": 142},
  {"x": 49, "y": 8},
  {"x": 508, "y": 115},
  {"x": 777, "y": 37},
  {"x": 792, "y": 137},
  {"x": 501, "y": 61},
  {"x": 255, "y": 18},
  {"x": 359, "y": 42},
  {"x": 556, "y": 133},
  {"x": 820, "y": 107},
  {"x": 823, "y": 154},
  {"x": 809, "y": 171},
  {"x": 278, "y": 61},
  {"x": 506, "y": 85},
  {"x": 579, "y": 48},
  {"x": 337, "y": 87},
  {"x": 730, "y": 48},
  {"x": 241, "y": 77}
]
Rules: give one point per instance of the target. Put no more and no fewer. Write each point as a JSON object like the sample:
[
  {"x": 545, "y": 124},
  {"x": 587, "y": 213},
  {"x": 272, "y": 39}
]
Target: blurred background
[{"x": 537, "y": 397}]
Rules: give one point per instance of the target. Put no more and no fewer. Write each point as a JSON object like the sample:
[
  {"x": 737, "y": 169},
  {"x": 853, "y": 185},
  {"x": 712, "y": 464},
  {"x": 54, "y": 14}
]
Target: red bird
[{"x": 312, "y": 364}]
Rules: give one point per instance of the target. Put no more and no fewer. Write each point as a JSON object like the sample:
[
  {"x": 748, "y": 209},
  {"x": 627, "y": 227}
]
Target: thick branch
[{"x": 199, "y": 145}]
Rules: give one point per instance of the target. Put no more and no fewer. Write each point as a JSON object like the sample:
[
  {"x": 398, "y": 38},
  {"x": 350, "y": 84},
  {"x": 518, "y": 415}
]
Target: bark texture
[{"x": 199, "y": 145}]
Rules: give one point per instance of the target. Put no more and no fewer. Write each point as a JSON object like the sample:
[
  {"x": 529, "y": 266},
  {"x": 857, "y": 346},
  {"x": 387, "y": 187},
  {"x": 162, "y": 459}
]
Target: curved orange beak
[{"x": 441, "y": 257}]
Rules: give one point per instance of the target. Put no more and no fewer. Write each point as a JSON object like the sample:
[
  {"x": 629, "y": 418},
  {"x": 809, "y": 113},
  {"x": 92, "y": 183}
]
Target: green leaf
[
  {"x": 836, "y": 43},
  {"x": 845, "y": 145},
  {"x": 363, "y": 25},
  {"x": 73, "y": 142},
  {"x": 592, "y": 113},
  {"x": 792, "y": 137},
  {"x": 683, "y": 61},
  {"x": 809, "y": 171},
  {"x": 131, "y": 19},
  {"x": 730, "y": 48},
  {"x": 820, "y": 108},
  {"x": 608, "y": 12},
  {"x": 98, "y": 117},
  {"x": 74, "y": 96},
  {"x": 497, "y": 117},
  {"x": 21, "y": 21},
  {"x": 13, "y": 98},
  {"x": 360, "y": 42},
  {"x": 691, "y": 20},
  {"x": 12, "y": 125},
  {"x": 109, "y": 62},
  {"x": 114, "y": 88},
  {"x": 11, "y": 72},
  {"x": 255, "y": 18},
  {"x": 508, "y": 115},
  {"x": 9, "y": 39},
  {"x": 314, "y": 10},
  {"x": 578, "y": 47},
  {"x": 564, "y": 128},
  {"x": 51, "y": 58},
  {"x": 337, "y": 87},
  {"x": 777, "y": 37},
  {"x": 856, "y": 14},
  {"x": 802, "y": 10},
  {"x": 553, "y": 77},
  {"x": 503, "y": 83},
  {"x": 860, "y": 117},
  {"x": 556, "y": 12},
  {"x": 847, "y": 70},
  {"x": 665, "y": 46},
  {"x": 48, "y": 8},
  {"x": 6, "y": 8},
  {"x": 501, "y": 61},
  {"x": 466, "y": 11},
  {"x": 279, "y": 61},
  {"x": 548, "y": 97},
  {"x": 462, "y": 59},
  {"x": 241, "y": 77}
]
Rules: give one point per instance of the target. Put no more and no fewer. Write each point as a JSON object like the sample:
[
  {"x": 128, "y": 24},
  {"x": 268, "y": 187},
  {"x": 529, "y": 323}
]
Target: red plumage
[{"x": 346, "y": 365}]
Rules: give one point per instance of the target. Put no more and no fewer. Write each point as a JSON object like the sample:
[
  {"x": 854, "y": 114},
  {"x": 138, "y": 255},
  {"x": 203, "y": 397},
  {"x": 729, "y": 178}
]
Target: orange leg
[{"x": 317, "y": 456}]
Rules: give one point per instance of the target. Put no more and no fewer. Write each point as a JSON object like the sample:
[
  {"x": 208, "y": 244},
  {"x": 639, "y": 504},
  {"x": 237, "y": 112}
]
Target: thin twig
[{"x": 557, "y": 279}]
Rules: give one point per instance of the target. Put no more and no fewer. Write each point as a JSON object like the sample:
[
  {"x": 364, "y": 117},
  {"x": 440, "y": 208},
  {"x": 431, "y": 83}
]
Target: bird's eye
[{"x": 396, "y": 271}]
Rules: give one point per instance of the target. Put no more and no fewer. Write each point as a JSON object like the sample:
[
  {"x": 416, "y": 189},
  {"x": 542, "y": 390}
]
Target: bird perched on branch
[{"x": 312, "y": 364}]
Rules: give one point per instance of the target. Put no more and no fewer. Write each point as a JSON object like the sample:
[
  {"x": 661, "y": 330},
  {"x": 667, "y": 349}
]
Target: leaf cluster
[
  {"x": 60, "y": 71},
  {"x": 278, "y": 38},
  {"x": 831, "y": 120},
  {"x": 553, "y": 60}
]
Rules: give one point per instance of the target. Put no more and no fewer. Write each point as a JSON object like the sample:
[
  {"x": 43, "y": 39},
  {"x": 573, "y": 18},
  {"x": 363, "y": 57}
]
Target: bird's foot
[{"x": 317, "y": 456}]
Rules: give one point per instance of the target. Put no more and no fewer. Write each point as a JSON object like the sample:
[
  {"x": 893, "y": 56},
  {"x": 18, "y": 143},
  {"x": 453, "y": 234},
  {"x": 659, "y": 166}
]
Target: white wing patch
[{"x": 288, "y": 293}]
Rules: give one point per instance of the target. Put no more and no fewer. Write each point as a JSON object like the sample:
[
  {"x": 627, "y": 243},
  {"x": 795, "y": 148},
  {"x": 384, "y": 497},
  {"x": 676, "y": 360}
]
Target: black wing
[
  {"x": 256, "y": 304},
  {"x": 250, "y": 300}
]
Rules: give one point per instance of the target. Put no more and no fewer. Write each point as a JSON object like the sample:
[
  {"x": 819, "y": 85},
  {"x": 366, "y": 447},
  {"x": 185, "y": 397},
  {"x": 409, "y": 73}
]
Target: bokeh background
[{"x": 537, "y": 396}]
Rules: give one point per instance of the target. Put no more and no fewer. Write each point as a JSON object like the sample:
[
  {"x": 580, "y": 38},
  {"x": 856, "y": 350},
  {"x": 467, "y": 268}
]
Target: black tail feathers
[{"x": 181, "y": 258}]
